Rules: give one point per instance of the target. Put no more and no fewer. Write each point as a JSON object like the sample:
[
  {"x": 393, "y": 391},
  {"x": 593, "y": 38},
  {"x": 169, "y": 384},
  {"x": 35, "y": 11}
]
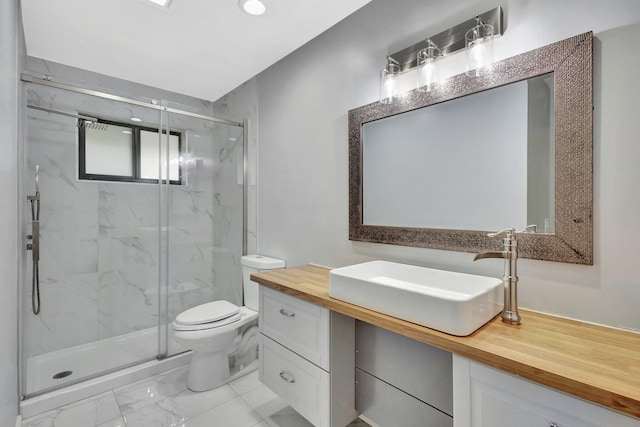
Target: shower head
[{"x": 92, "y": 124}]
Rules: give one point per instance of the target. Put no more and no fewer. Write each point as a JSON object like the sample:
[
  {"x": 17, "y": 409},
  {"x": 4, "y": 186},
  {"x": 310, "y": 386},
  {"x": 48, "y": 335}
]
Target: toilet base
[{"x": 208, "y": 370}]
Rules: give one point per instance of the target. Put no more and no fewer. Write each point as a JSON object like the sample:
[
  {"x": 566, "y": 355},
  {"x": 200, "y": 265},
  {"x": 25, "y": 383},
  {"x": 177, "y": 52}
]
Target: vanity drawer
[
  {"x": 296, "y": 324},
  {"x": 301, "y": 384}
]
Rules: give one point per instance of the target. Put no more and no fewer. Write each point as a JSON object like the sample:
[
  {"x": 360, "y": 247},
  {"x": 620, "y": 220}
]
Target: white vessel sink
[{"x": 454, "y": 303}]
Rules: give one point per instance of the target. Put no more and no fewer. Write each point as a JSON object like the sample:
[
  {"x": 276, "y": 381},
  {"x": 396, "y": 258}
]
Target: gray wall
[
  {"x": 11, "y": 60},
  {"x": 302, "y": 145}
]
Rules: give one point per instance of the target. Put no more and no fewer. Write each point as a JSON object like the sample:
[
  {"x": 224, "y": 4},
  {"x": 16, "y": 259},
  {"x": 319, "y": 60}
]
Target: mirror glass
[
  {"x": 445, "y": 165},
  {"x": 441, "y": 169}
]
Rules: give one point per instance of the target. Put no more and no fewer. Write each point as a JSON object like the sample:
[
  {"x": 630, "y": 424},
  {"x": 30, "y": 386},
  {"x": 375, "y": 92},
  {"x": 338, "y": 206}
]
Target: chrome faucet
[{"x": 510, "y": 313}]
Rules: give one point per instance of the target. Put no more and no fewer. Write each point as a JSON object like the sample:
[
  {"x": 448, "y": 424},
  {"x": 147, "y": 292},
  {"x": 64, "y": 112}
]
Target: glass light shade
[
  {"x": 479, "y": 50},
  {"x": 427, "y": 68},
  {"x": 388, "y": 84}
]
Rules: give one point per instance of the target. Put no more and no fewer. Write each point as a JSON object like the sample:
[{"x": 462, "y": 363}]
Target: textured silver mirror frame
[{"x": 571, "y": 62}]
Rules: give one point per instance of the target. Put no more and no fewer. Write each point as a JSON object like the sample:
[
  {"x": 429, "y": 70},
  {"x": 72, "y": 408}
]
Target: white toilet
[{"x": 211, "y": 329}]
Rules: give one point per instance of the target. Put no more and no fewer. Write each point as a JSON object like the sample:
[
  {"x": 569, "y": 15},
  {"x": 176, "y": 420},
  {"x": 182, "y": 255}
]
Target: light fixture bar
[{"x": 449, "y": 41}]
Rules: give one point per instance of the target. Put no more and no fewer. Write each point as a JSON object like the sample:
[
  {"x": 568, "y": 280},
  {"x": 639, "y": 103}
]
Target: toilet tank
[{"x": 253, "y": 264}]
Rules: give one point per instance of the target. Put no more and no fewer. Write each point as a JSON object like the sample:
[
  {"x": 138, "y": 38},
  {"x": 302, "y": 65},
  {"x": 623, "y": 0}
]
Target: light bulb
[
  {"x": 252, "y": 7},
  {"x": 427, "y": 75},
  {"x": 478, "y": 54},
  {"x": 389, "y": 86},
  {"x": 388, "y": 83}
]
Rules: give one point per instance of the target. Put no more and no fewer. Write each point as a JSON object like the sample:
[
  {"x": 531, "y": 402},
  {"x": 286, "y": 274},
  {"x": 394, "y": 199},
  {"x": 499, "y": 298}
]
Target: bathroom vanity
[
  {"x": 548, "y": 371},
  {"x": 307, "y": 357}
]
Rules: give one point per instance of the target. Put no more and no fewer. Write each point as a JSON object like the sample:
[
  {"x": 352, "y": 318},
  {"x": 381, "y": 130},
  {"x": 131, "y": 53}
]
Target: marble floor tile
[
  {"x": 152, "y": 416},
  {"x": 177, "y": 410},
  {"x": 264, "y": 401},
  {"x": 287, "y": 417},
  {"x": 188, "y": 404},
  {"x": 247, "y": 383},
  {"x": 235, "y": 413},
  {"x": 150, "y": 390},
  {"x": 165, "y": 401},
  {"x": 118, "y": 422},
  {"x": 96, "y": 411}
]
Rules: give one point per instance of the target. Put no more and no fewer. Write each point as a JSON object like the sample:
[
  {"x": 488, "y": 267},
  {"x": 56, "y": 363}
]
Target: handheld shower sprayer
[
  {"x": 34, "y": 245},
  {"x": 36, "y": 216}
]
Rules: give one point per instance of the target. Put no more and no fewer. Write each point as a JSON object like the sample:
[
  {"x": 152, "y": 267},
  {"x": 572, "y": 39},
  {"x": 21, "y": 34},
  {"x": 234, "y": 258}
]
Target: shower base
[
  {"x": 107, "y": 364},
  {"x": 46, "y": 373}
]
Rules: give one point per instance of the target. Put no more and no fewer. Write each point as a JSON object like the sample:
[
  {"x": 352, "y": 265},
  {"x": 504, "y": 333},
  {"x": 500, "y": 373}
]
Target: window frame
[{"x": 135, "y": 155}]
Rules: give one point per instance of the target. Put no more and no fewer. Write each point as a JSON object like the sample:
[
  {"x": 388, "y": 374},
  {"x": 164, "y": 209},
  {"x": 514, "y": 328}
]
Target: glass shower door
[
  {"x": 138, "y": 213},
  {"x": 205, "y": 217},
  {"x": 99, "y": 260}
]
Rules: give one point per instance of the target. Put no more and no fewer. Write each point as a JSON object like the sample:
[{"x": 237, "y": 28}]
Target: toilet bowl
[{"x": 210, "y": 330}]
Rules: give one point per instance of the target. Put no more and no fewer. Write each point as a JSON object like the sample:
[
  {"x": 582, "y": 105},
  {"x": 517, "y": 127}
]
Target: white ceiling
[{"x": 202, "y": 48}]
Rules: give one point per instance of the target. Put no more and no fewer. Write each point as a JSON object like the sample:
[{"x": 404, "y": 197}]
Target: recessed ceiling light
[
  {"x": 162, "y": 3},
  {"x": 135, "y": 119},
  {"x": 252, "y": 7}
]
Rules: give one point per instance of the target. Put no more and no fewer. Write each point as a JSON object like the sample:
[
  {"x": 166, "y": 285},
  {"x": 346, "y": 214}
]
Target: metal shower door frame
[{"x": 164, "y": 207}]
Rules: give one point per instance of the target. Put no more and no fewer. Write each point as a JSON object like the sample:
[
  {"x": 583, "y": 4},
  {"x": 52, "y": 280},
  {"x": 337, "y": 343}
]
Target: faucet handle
[{"x": 506, "y": 232}]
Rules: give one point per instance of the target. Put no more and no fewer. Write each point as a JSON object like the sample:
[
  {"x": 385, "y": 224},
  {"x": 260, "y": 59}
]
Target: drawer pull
[
  {"x": 287, "y": 377},
  {"x": 287, "y": 313}
]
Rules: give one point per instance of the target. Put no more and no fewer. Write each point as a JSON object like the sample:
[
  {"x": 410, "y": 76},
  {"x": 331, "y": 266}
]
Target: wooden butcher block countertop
[{"x": 595, "y": 363}]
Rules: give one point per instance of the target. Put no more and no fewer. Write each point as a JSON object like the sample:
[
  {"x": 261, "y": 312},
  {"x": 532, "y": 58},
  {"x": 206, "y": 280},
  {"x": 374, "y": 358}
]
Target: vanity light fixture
[
  {"x": 427, "y": 68},
  {"x": 252, "y": 7},
  {"x": 388, "y": 84},
  {"x": 422, "y": 56},
  {"x": 479, "y": 48}
]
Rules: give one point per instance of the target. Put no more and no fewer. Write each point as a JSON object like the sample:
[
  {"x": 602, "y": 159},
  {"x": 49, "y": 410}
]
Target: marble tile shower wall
[{"x": 99, "y": 267}]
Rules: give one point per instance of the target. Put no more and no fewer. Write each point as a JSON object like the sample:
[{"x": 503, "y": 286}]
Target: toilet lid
[{"x": 207, "y": 313}]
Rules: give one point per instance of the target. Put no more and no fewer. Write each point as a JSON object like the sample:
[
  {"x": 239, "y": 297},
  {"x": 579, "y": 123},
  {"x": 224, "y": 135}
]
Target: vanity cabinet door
[
  {"x": 486, "y": 397},
  {"x": 296, "y": 324},
  {"x": 307, "y": 357},
  {"x": 303, "y": 385}
]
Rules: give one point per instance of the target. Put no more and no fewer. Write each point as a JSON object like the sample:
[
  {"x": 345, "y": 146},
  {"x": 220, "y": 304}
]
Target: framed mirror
[{"x": 441, "y": 169}]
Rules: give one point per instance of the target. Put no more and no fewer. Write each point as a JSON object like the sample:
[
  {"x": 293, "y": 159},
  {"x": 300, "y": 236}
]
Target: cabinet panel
[
  {"x": 301, "y": 384},
  {"x": 389, "y": 407},
  {"x": 300, "y": 326},
  {"x": 486, "y": 397},
  {"x": 418, "y": 369},
  {"x": 495, "y": 407}
]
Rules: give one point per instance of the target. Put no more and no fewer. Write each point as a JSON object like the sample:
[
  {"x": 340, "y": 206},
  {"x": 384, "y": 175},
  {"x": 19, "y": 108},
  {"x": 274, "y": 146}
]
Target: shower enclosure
[{"x": 122, "y": 249}]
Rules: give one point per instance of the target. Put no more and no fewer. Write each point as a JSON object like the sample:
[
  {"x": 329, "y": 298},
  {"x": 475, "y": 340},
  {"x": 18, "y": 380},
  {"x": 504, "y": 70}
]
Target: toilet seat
[{"x": 206, "y": 316}]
